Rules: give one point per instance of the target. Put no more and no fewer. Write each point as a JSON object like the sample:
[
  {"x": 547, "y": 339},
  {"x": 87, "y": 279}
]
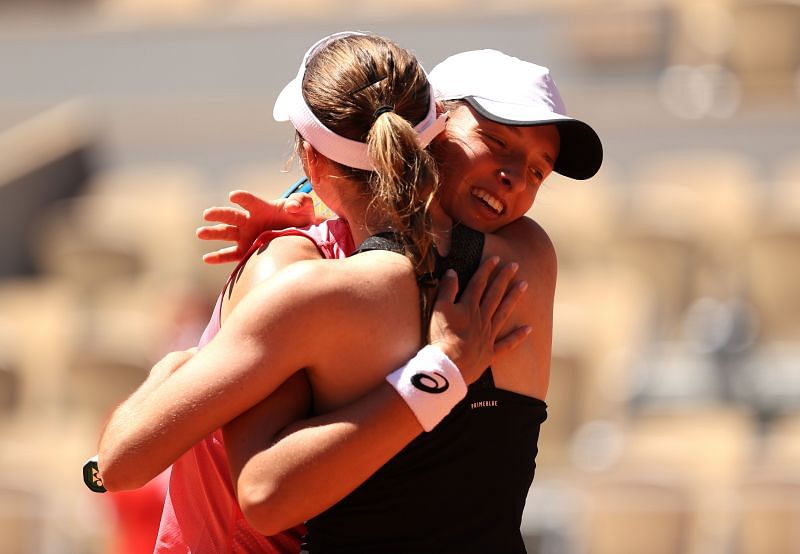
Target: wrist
[
  {"x": 430, "y": 384},
  {"x": 452, "y": 351}
]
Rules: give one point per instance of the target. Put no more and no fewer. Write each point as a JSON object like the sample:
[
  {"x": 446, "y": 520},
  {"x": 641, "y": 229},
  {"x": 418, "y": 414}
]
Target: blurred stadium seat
[
  {"x": 773, "y": 262},
  {"x": 45, "y": 159},
  {"x": 690, "y": 214},
  {"x": 768, "y": 515},
  {"x": 631, "y": 513},
  {"x": 583, "y": 219},
  {"x": 131, "y": 225},
  {"x": 21, "y": 518},
  {"x": 708, "y": 449},
  {"x": 766, "y": 66}
]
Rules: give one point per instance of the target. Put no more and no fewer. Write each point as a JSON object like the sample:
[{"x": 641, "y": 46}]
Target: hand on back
[
  {"x": 468, "y": 331},
  {"x": 243, "y": 225}
]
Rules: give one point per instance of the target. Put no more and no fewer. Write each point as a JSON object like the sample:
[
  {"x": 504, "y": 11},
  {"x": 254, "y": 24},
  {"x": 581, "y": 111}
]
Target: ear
[{"x": 310, "y": 159}]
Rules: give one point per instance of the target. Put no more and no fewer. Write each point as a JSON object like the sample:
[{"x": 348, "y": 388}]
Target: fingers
[
  {"x": 226, "y": 214},
  {"x": 448, "y": 287},
  {"x": 247, "y": 200},
  {"x": 516, "y": 336},
  {"x": 477, "y": 284},
  {"x": 223, "y": 256},
  {"x": 299, "y": 202},
  {"x": 218, "y": 232},
  {"x": 497, "y": 288},
  {"x": 502, "y": 313},
  {"x": 511, "y": 340}
]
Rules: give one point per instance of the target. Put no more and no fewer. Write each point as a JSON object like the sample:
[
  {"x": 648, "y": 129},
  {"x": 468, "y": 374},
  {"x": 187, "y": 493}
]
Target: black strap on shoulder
[
  {"x": 393, "y": 242},
  {"x": 382, "y": 241},
  {"x": 466, "y": 250}
]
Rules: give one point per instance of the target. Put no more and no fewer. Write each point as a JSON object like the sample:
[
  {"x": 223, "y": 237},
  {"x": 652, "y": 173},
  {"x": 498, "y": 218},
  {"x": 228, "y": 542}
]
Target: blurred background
[{"x": 675, "y": 399}]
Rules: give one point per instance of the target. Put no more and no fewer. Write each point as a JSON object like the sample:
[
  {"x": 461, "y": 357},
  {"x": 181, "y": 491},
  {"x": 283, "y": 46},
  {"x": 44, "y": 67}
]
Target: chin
[{"x": 484, "y": 226}]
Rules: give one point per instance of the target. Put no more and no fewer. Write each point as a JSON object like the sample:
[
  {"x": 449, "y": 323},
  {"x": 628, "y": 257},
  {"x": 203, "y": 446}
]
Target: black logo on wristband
[{"x": 427, "y": 382}]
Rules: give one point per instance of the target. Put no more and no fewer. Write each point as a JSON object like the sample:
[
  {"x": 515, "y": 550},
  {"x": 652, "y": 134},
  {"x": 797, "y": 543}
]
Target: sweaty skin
[
  {"x": 352, "y": 443},
  {"x": 343, "y": 302}
]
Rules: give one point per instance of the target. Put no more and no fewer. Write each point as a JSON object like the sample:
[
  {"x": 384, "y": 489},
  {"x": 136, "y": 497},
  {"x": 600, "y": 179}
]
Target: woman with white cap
[
  {"x": 364, "y": 111},
  {"x": 502, "y": 167},
  {"x": 507, "y": 130}
]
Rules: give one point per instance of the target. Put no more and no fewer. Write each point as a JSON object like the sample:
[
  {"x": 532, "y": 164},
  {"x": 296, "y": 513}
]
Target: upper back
[
  {"x": 383, "y": 318},
  {"x": 368, "y": 321}
]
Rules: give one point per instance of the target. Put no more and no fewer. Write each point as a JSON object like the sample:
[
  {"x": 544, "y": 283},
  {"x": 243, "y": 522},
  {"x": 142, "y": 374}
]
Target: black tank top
[{"x": 459, "y": 488}]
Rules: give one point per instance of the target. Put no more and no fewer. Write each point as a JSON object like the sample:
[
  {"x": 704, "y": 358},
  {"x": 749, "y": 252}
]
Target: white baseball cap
[
  {"x": 291, "y": 106},
  {"x": 511, "y": 91}
]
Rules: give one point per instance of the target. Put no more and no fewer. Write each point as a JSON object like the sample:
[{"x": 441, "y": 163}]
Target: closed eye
[
  {"x": 537, "y": 174},
  {"x": 494, "y": 139}
]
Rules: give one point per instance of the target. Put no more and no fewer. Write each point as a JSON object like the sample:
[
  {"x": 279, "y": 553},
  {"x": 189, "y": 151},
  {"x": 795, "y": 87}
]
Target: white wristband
[{"x": 431, "y": 385}]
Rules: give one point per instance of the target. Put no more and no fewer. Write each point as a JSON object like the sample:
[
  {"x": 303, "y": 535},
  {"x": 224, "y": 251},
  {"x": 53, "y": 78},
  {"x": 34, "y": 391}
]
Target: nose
[{"x": 510, "y": 178}]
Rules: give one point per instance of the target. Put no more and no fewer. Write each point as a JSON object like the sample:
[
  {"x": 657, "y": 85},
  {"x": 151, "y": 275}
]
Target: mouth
[{"x": 490, "y": 201}]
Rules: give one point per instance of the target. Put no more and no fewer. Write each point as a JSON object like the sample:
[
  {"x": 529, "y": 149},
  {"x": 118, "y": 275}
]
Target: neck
[
  {"x": 442, "y": 224},
  {"x": 361, "y": 227},
  {"x": 363, "y": 224}
]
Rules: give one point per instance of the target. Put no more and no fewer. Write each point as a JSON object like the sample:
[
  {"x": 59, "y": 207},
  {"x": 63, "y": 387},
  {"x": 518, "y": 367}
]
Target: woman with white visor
[{"x": 364, "y": 111}]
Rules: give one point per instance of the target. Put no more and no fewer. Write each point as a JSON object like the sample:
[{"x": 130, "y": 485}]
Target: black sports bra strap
[
  {"x": 393, "y": 243},
  {"x": 382, "y": 241},
  {"x": 466, "y": 251}
]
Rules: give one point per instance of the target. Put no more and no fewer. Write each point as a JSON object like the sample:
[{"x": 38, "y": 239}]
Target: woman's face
[{"x": 489, "y": 172}]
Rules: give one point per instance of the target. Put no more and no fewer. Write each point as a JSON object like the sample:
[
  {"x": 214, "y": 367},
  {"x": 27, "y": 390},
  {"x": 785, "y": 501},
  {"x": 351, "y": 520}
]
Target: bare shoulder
[
  {"x": 360, "y": 283},
  {"x": 526, "y": 370},
  {"x": 338, "y": 302},
  {"x": 527, "y": 243},
  {"x": 528, "y": 236},
  {"x": 346, "y": 286},
  {"x": 274, "y": 256},
  {"x": 278, "y": 253}
]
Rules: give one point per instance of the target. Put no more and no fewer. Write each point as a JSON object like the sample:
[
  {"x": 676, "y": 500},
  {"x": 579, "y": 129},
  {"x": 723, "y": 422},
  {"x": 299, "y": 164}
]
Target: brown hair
[{"x": 369, "y": 89}]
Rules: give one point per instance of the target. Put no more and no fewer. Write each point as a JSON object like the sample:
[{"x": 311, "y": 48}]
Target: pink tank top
[{"x": 201, "y": 514}]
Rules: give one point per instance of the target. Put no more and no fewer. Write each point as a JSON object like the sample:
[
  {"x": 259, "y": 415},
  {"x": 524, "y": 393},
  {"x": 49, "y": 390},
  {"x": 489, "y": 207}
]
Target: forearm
[
  {"x": 126, "y": 466},
  {"x": 350, "y": 443},
  {"x": 122, "y": 417},
  {"x": 150, "y": 431},
  {"x": 253, "y": 353}
]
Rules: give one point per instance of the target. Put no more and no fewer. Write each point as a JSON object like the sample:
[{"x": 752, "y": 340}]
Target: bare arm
[
  {"x": 273, "y": 476},
  {"x": 250, "y": 357},
  {"x": 526, "y": 370}
]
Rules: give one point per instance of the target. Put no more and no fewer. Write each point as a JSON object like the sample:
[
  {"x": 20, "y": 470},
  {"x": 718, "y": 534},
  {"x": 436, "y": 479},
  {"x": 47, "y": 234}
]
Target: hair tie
[{"x": 382, "y": 110}]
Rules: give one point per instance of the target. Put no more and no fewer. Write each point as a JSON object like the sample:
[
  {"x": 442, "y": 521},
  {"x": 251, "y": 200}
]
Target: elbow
[
  {"x": 119, "y": 472},
  {"x": 266, "y": 509}
]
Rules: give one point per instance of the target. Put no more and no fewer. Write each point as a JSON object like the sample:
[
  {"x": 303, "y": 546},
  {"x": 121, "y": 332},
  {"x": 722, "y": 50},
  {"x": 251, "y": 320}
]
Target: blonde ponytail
[{"x": 401, "y": 166}]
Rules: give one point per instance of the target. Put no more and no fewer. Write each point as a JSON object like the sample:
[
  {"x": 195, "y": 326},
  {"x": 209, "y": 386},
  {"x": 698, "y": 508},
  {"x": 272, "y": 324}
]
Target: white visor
[{"x": 291, "y": 106}]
